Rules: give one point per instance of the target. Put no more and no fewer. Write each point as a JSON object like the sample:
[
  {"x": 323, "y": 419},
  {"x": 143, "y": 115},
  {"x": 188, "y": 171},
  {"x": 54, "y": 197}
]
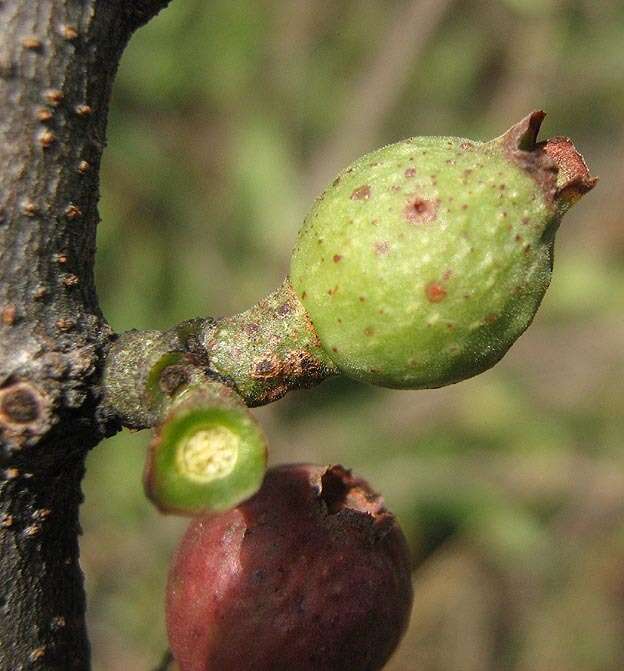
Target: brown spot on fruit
[
  {"x": 435, "y": 292},
  {"x": 381, "y": 247},
  {"x": 490, "y": 319},
  {"x": 284, "y": 309},
  {"x": 410, "y": 172},
  {"x": 420, "y": 210},
  {"x": 465, "y": 146},
  {"x": 369, "y": 331},
  {"x": 337, "y": 258},
  {"x": 361, "y": 193}
]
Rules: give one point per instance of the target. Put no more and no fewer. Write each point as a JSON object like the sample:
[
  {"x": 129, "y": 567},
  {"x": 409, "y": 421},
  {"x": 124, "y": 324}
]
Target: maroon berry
[{"x": 311, "y": 574}]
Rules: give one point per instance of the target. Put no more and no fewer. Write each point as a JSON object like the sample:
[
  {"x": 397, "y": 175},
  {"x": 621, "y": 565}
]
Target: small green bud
[
  {"x": 208, "y": 455},
  {"x": 424, "y": 261}
]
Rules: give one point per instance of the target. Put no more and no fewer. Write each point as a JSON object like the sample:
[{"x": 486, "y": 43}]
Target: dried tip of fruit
[
  {"x": 523, "y": 135},
  {"x": 555, "y": 162},
  {"x": 573, "y": 178},
  {"x": 205, "y": 458}
]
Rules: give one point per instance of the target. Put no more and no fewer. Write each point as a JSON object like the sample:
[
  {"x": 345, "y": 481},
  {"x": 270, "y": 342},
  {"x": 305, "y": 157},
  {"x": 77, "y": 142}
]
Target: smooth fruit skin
[
  {"x": 311, "y": 574},
  {"x": 424, "y": 261}
]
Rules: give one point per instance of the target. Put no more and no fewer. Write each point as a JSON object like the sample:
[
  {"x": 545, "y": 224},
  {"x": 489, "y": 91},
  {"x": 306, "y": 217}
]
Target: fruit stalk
[{"x": 207, "y": 455}]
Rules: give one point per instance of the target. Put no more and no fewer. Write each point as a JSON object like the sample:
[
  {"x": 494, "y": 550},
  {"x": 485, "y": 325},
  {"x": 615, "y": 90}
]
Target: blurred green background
[{"x": 228, "y": 117}]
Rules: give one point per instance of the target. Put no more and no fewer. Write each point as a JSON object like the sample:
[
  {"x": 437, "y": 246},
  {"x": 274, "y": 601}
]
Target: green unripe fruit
[{"x": 424, "y": 261}]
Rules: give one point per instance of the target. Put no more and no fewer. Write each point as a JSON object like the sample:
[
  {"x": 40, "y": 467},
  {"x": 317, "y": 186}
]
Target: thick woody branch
[{"x": 57, "y": 64}]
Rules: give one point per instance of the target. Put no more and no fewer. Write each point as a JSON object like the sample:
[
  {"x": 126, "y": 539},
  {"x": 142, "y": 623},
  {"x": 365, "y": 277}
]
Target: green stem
[
  {"x": 269, "y": 349},
  {"x": 208, "y": 455},
  {"x": 262, "y": 353}
]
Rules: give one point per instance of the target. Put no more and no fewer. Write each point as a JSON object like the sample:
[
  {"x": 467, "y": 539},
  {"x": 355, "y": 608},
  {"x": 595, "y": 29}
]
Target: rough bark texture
[{"x": 57, "y": 63}]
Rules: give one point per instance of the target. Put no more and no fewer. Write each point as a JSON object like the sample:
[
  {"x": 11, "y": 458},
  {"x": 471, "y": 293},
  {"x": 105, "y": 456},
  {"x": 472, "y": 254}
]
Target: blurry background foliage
[{"x": 228, "y": 118}]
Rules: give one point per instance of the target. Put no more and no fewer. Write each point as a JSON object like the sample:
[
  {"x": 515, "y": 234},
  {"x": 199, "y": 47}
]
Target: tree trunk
[{"x": 57, "y": 63}]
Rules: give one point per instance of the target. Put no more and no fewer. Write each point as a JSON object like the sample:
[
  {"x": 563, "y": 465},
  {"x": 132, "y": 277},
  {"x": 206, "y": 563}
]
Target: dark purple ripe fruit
[{"x": 311, "y": 574}]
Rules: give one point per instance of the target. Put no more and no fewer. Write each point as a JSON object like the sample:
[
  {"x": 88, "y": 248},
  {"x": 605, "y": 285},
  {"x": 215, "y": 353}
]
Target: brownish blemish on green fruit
[
  {"x": 420, "y": 210},
  {"x": 410, "y": 172},
  {"x": 435, "y": 292},
  {"x": 337, "y": 258},
  {"x": 361, "y": 193},
  {"x": 381, "y": 247}
]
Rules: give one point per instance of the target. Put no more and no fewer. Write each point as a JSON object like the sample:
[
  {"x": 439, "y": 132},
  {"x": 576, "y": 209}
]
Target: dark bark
[{"x": 57, "y": 63}]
